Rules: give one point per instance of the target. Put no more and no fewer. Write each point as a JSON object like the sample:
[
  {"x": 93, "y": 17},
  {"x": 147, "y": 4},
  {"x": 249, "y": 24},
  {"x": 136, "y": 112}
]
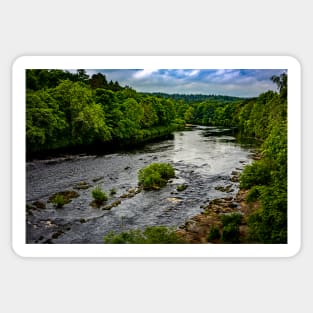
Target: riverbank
[
  {"x": 197, "y": 229},
  {"x": 152, "y": 135}
]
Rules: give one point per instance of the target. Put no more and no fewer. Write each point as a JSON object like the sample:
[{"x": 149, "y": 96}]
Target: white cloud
[
  {"x": 194, "y": 72},
  {"x": 233, "y": 82},
  {"x": 143, "y": 73}
]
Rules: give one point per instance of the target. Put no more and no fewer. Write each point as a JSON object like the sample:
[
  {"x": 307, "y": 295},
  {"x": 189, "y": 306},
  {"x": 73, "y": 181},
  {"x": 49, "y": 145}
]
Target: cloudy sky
[{"x": 231, "y": 82}]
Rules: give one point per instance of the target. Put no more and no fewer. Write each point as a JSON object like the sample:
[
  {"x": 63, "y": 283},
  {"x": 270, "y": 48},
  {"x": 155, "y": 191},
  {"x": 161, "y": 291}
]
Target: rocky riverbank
[{"x": 197, "y": 229}]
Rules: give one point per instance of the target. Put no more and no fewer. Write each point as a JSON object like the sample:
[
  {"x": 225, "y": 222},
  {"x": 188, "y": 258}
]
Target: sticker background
[{"x": 163, "y": 27}]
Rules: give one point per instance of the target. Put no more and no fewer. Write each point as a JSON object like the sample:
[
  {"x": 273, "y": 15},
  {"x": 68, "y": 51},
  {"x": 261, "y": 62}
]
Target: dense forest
[{"x": 68, "y": 110}]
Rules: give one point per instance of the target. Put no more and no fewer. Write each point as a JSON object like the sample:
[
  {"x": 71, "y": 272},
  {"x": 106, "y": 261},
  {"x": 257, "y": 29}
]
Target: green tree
[
  {"x": 44, "y": 122},
  {"x": 82, "y": 76},
  {"x": 188, "y": 116},
  {"x": 281, "y": 81},
  {"x": 150, "y": 117},
  {"x": 89, "y": 125},
  {"x": 98, "y": 81}
]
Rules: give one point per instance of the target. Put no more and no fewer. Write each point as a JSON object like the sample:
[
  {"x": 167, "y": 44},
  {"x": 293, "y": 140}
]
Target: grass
[
  {"x": 151, "y": 235},
  {"x": 231, "y": 223},
  {"x": 99, "y": 195},
  {"x": 214, "y": 233},
  {"x": 61, "y": 198},
  {"x": 58, "y": 200},
  {"x": 155, "y": 175}
]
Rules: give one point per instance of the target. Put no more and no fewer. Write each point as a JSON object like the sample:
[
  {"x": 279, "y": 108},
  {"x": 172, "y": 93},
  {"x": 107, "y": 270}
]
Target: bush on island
[{"x": 155, "y": 175}]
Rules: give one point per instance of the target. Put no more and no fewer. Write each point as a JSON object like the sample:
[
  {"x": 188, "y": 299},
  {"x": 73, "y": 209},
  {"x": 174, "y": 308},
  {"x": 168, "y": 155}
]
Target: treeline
[
  {"x": 66, "y": 110},
  {"x": 213, "y": 112},
  {"x": 254, "y": 117},
  {"x": 263, "y": 118},
  {"x": 37, "y": 79},
  {"x": 267, "y": 178},
  {"x": 193, "y": 98}
]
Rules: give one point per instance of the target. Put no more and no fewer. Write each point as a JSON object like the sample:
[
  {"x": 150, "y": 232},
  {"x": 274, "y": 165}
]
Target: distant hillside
[{"x": 192, "y": 98}]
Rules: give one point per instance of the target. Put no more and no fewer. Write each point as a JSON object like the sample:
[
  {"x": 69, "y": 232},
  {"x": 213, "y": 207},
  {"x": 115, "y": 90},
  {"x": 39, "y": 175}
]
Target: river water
[{"x": 206, "y": 159}]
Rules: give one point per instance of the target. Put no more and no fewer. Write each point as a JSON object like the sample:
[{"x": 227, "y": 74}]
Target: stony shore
[{"x": 196, "y": 229}]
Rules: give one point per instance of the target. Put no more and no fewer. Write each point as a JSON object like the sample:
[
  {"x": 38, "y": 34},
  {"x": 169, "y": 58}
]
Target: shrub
[
  {"x": 231, "y": 224},
  {"x": 155, "y": 175},
  {"x": 99, "y": 195},
  {"x": 254, "y": 193},
  {"x": 233, "y": 218},
  {"x": 131, "y": 236},
  {"x": 269, "y": 223},
  {"x": 63, "y": 197},
  {"x": 58, "y": 200},
  {"x": 214, "y": 233},
  {"x": 258, "y": 173},
  {"x": 231, "y": 233},
  {"x": 151, "y": 235},
  {"x": 161, "y": 234}
]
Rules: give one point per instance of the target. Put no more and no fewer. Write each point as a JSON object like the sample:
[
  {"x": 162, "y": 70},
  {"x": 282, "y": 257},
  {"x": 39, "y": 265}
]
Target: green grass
[
  {"x": 98, "y": 195},
  {"x": 231, "y": 223},
  {"x": 155, "y": 175},
  {"x": 214, "y": 233},
  {"x": 151, "y": 235},
  {"x": 58, "y": 200}
]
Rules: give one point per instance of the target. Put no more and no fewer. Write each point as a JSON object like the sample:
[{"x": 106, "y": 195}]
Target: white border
[{"x": 155, "y": 251}]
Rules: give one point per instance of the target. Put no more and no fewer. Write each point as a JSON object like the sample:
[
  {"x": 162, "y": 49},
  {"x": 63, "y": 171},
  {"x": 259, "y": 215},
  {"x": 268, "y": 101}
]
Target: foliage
[
  {"x": 267, "y": 178},
  {"x": 231, "y": 233},
  {"x": 258, "y": 173},
  {"x": 214, "y": 233},
  {"x": 281, "y": 82},
  {"x": 63, "y": 197},
  {"x": 231, "y": 223},
  {"x": 68, "y": 110},
  {"x": 155, "y": 175},
  {"x": 233, "y": 218},
  {"x": 253, "y": 194},
  {"x": 269, "y": 224},
  {"x": 151, "y": 235},
  {"x": 99, "y": 195},
  {"x": 275, "y": 149},
  {"x": 58, "y": 200}
]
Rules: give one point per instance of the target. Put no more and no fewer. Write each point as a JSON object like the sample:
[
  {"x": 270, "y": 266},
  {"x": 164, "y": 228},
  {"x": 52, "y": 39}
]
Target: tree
[
  {"x": 44, "y": 121},
  {"x": 188, "y": 116},
  {"x": 150, "y": 117},
  {"x": 281, "y": 82},
  {"x": 82, "y": 76},
  {"x": 98, "y": 81},
  {"x": 90, "y": 125}
]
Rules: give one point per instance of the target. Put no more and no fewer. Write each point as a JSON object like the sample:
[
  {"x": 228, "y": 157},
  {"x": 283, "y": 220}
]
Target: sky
[{"x": 230, "y": 82}]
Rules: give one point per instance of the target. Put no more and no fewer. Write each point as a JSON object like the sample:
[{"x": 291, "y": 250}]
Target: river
[{"x": 206, "y": 159}]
